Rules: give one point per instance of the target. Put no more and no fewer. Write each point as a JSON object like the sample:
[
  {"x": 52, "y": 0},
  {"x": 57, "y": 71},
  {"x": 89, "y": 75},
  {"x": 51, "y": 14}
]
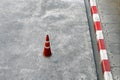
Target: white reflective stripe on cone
[
  {"x": 46, "y": 41},
  {"x": 47, "y": 47}
]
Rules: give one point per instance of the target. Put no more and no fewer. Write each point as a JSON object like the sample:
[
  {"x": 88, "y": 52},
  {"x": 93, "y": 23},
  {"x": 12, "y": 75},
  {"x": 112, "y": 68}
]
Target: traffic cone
[{"x": 47, "y": 50}]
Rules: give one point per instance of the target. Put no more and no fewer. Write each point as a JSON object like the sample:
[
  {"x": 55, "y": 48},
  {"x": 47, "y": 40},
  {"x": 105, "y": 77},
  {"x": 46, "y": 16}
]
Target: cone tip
[{"x": 47, "y": 37}]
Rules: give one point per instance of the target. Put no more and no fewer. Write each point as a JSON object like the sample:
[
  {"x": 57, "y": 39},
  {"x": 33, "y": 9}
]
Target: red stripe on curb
[
  {"x": 94, "y": 10},
  {"x": 97, "y": 26},
  {"x": 101, "y": 44},
  {"x": 105, "y": 65}
]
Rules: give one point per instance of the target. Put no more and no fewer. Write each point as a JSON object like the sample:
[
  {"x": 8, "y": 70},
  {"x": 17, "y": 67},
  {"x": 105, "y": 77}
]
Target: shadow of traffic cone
[{"x": 47, "y": 50}]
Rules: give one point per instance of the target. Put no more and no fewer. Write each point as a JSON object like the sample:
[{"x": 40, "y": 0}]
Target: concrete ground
[
  {"x": 110, "y": 16},
  {"x": 23, "y": 27}
]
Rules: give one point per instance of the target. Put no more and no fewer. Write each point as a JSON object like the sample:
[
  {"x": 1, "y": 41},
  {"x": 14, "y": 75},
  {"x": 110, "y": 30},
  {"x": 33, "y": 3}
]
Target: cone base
[{"x": 47, "y": 53}]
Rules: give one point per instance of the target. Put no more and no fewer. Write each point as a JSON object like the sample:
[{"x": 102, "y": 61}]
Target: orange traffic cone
[{"x": 47, "y": 50}]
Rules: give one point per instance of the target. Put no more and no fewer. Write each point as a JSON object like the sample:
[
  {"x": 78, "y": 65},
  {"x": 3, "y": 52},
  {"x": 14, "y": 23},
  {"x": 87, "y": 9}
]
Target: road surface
[{"x": 23, "y": 27}]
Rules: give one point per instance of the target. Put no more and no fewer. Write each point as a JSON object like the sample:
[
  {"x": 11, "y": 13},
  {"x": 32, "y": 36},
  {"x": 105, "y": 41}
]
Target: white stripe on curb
[
  {"x": 103, "y": 55},
  {"x": 96, "y": 17},
  {"x": 92, "y": 2},
  {"x": 99, "y": 34},
  {"x": 108, "y": 75}
]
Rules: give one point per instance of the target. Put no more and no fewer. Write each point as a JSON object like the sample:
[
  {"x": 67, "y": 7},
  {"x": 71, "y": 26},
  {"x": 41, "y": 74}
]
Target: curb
[{"x": 105, "y": 64}]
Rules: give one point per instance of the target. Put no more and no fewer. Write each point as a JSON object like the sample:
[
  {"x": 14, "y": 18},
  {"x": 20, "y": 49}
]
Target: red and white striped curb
[{"x": 105, "y": 64}]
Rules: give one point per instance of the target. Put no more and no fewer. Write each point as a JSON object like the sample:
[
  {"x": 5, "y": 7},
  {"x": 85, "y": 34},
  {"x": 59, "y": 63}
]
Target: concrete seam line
[{"x": 105, "y": 64}]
